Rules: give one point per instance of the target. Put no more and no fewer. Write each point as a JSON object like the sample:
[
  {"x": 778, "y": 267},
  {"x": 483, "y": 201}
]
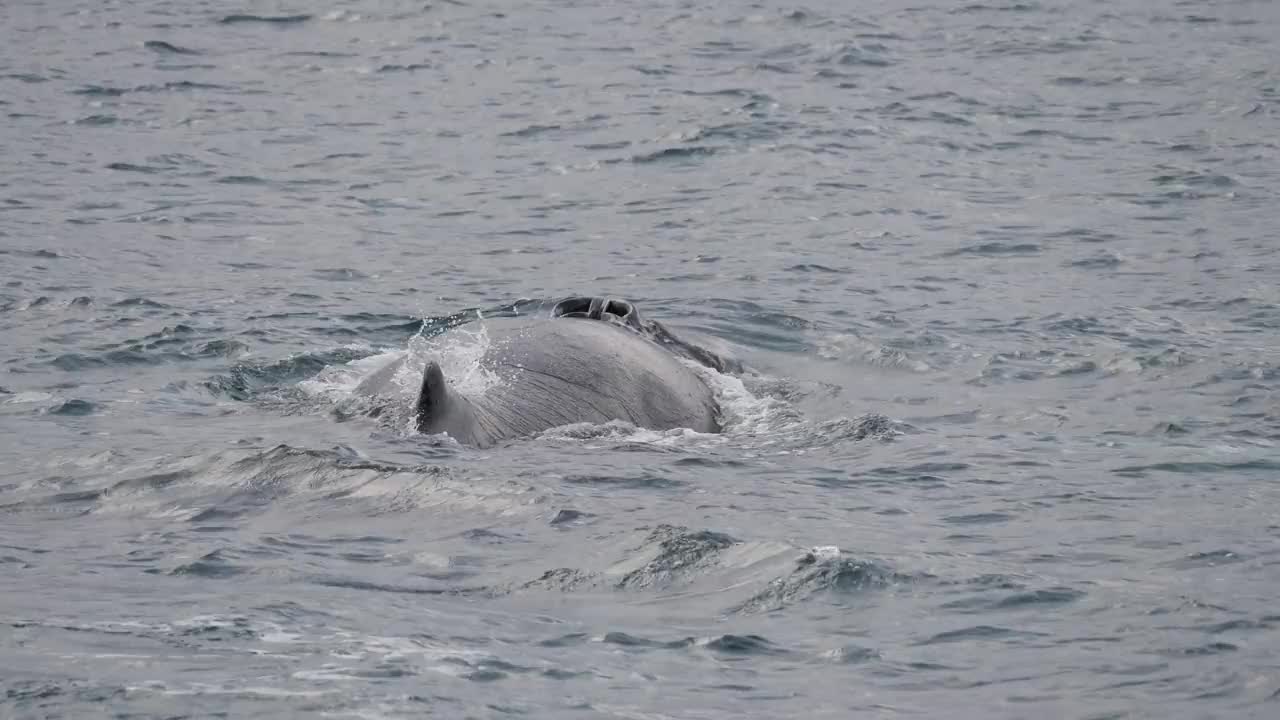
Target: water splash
[
  {"x": 460, "y": 353},
  {"x": 743, "y": 412}
]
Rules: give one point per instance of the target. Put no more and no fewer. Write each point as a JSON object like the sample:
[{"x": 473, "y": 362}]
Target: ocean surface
[{"x": 1004, "y": 277}]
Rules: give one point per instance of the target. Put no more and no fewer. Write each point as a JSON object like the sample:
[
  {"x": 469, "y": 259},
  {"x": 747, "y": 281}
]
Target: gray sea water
[{"x": 1004, "y": 276}]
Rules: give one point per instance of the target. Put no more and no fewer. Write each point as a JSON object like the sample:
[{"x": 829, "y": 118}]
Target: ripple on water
[
  {"x": 639, "y": 643},
  {"x": 996, "y": 601},
  {"x": 979, "y": 633},
  {"x": 818, "y": 573},
  {"x": 216, "y": 565},
  {"x": 279, "y": 20},
  {"x": 744, "y": 645},
  {"x": 74, "y": 408},
  {"x": 995, "y": 249},
  {"x": 167, "y": 48},
  {"x": 675, "y": 553},
  {"x": 643, "y": 481}
]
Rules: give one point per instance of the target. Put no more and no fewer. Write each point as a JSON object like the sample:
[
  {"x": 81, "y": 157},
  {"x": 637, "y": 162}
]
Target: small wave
[
  {"x": 846, "y": 346},
  {"x": 1029, "y": 599},
  {"x": 1209, "y": 469},
  {"x": 97, "y": 120},
  {"x": 239, "y": 19},
  {"x": 977, "y": 518},
  {"x": 29, "y": 78},
  {"x": 140, "y": 302},
  {"x": 75, "y": 362},
  {"x": 1098, "y": 262},
  {"x": 41, "y": 253},
  {"x": 743, "y": 645},
  {"x": 642, "y": 481},
  {"x": 868, "y": 56},
  {"x": 567, "y": 517},
  {"x": 235, "y": 484},
  {"x": 240, "y": 180},
  {"x": 130, "y": 167},
  {"x": 1194, "y": 179},
  {"x": 218, "y": 628},
  {"x": 1215, "y": 648},
  {"x": 1214, "y": 558},
  {"x": 1077, "y": 81},
  {"x": 632, "y": 641},
  {"x": 1011, "y": 7},
  {"x": 935, "y": 475},
  {"x": 814, "y": 268},
  {"x": 411, "y": 67},
  {"x": 1059, "y": 134},
  {"x": 171, "y": 345},
  {"x": 107, "y": 91},
  {"x": 532, "y": 131},
  {"x": 562, "y": 580},
  {"x": 245, "y": 381},
  {"x": 679, "y": 552},
  {"x": 568, "y": 640},
  {"x": 219, "y": 564},
  {"x": 100, "y": 90},
  {"x": 165, "y": 48},
  {"x": 1248, "y": 626},
  {"x": 995, "y": 249},
  {"x": 340, "y": 275},
  {"x": 355, "y": 584},
  {"x": 319, "y": 54},
  {"x": 819, "y": 571},
  {"x": 677, "y": 153},
  {"x": 75, "y": 408},
  {"x": 978, "y": 632}
]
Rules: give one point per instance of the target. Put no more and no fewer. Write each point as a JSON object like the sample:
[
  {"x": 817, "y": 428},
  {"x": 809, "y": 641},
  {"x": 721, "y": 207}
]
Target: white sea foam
[{"x": 742, "y": 412}]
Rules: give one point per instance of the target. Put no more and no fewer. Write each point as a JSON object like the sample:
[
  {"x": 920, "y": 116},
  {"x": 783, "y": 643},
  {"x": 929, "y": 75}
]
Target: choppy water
[{"x": 1006, "y": 274}]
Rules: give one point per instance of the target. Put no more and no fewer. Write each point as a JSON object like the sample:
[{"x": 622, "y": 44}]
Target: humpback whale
[{"x": 592, "y": 360}]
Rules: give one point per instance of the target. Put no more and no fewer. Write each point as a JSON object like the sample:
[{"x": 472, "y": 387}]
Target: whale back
[{"x": 568, "y": 370}]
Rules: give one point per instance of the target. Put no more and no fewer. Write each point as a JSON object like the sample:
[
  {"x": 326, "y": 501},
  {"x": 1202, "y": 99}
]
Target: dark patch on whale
[{"x": 594, "y": 360}]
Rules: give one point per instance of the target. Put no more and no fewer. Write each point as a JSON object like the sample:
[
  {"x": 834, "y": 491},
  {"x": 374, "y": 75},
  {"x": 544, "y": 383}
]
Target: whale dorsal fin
[
  {"x": 433, "y": 398},
  {"x": 441, "y": 410}
]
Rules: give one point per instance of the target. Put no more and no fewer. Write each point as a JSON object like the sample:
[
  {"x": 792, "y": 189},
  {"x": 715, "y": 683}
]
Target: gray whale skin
[{"x": 592, "y": 361}]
